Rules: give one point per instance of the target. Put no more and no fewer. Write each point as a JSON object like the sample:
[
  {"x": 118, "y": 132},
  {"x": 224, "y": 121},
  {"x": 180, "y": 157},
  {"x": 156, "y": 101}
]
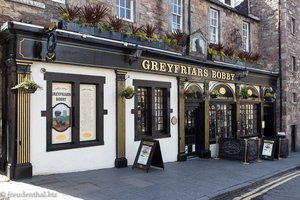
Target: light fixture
[
  {"x": 243, "y": 74},
  {"x": 135, "y": 55}
]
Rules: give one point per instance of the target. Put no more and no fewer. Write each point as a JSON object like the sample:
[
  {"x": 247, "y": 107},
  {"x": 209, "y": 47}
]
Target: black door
[
  {"x": 269, "y": 121},
  {"x": 294, "y": 138}
]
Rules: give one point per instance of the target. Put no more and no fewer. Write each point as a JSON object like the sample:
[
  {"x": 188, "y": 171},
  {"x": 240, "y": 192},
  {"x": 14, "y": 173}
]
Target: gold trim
[
  {"x": 23, "y": 123},
  {"x": 121, "y": 72},
  {"x": 24, "y": 62}
]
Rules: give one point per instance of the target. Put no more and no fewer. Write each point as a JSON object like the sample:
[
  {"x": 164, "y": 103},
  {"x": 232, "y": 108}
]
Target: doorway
[
  {"x": 269, "y": 120},
  {"x": 193, "y": 121}
]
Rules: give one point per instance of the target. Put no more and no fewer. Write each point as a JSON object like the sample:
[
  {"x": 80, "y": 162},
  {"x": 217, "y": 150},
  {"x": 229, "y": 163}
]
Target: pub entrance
[
  {"x": 269, "y": 118},
  {"x": 193, "y": 122}
]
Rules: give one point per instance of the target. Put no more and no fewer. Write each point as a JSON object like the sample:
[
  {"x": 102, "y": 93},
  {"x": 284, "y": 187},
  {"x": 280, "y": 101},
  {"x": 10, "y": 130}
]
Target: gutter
[{"x": 280, "y": 66}]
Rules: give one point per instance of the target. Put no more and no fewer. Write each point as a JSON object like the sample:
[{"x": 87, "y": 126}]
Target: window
[
  {"x": 74, "y": 111},
  {"x": 220, "y": 121},
  {"x": 246, "y": 38},
  {"x": 152, "y": 109},
  {"x": 293, "y": 26},
  {"x": 248, "y": 113},
  {"x": 293, "y": 63},
  {"x": 176, "y": 15},
  {"x": 125, "y": 9},
  {"x": 294, "y": 100},
  {"x": 214, "y": 26}
]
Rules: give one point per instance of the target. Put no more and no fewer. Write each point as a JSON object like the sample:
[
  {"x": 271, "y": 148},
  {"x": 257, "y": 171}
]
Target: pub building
[{"x": 80, "y": 120}]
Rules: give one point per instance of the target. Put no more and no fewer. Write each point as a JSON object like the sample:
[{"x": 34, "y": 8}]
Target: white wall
[
  {"x": 79, "y": 159},
  {"x": 169, "y": 145}
]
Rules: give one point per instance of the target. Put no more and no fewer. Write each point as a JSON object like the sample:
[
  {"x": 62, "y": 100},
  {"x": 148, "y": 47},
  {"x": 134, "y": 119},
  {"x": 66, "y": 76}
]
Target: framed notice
[
  {"x": 61, "y": 113},
  {"x": 87, "y": 112},
  {"x": 148, "y": 154},
  {"x": 268, "y": 149}
]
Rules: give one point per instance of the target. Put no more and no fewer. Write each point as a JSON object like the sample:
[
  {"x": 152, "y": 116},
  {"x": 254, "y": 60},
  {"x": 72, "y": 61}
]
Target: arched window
[{"x": 221, "y": 112}]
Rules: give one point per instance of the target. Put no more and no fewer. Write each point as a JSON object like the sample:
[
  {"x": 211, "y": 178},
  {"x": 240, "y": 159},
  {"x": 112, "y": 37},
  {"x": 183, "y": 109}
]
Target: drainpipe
[
  {"x": 280, "y": 65},
  {"x": 189, "y": 17}
]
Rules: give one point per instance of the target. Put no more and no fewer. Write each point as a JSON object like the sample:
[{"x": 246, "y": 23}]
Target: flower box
[{"x": 74, "y": 27}]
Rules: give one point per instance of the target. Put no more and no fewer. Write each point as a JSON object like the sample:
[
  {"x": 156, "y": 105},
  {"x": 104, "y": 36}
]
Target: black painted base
[
  {"x": 19, "y": 171},
  {"x": 181, "y": 157},
  {"x": 120, "y": 162},
  {"x": 205, "y": 154}
]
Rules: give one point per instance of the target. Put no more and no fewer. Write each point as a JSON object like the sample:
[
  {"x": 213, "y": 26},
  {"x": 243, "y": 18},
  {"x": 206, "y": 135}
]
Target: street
[{"x": 280, "y": 187}]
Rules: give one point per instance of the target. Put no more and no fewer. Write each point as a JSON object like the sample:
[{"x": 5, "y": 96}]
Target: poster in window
[
  {"x": 87, "y": 112},
  {"x": 61, "y": 113},
  {"x": 144, "y": 155}
]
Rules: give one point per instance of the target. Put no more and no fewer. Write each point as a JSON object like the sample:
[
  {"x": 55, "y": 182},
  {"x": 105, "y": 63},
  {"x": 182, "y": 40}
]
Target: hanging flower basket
[
  {"x": 128, "y": 92},
  {"x": 27, "y": 86},
  {"x": 214, "y": 94}
]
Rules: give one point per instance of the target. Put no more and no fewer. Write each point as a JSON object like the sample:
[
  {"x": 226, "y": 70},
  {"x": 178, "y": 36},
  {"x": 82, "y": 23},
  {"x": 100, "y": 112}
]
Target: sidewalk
[{"x": 194, "y": 179}]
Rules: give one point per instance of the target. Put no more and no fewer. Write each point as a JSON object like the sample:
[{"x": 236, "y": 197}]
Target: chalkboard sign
[
  {"x": 148, "y": 154},
  {"x": 268, "y": 149}
]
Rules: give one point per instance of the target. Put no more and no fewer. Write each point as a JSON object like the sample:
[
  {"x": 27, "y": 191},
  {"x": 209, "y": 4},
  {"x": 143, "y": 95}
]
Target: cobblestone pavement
[{"x": 195, "y": 179}]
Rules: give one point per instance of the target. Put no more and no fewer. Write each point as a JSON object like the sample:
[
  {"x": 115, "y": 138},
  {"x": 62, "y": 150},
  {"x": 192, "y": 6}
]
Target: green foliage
[
  {"x": 27, "y": 85},
  {"x": 128, "y": 91},
  {"x": 244, "y": 92},
  {"x": 212, "y": 51},
  {"x": 268, "y": 95}
]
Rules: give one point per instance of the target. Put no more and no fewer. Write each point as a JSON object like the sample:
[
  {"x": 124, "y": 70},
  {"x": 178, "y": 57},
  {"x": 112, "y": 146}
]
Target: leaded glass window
[{"x": 248, "y": 113}]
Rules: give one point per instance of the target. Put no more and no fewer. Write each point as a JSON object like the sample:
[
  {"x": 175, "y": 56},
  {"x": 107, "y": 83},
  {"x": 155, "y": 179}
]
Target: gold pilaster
[
  {"x": 206, "y": 115},
  {"x": 120, "y": 161},
  {"x": 23, "y": 123},
  {"x": 262, "y": 129},
  {"x": 181, "y": 150},
  {"x": 237, "y": 113}
]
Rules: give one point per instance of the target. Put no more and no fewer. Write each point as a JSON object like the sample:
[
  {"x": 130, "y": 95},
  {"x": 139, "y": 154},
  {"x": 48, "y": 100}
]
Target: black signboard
[
  {"x": 268, "y": 149},
  {"x": 284, "y": 147},
  {"x": 148, "y": 154}
]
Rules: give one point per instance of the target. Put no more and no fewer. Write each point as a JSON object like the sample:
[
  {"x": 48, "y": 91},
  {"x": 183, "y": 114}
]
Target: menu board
[
  {"x": 149, "y": 153},
  {"x": 268, "y": 149},
  {"x": 87, "y": 112},
  {"x": 61, "y": 113}
]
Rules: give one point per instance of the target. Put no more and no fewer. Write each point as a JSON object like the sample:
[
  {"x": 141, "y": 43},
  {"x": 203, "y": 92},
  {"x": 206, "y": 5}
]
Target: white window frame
[
  {"x": 119, "y": 7},
  {"x": 176, "y": 12},
  {"x": 246, "y": 36},
  {"x": 231, "y": 3},
  {"x": 214, "y": 28}
]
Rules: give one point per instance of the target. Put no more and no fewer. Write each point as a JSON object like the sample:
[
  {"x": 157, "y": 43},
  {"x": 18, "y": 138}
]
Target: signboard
[
  {"x": 61, "y": 113},
  {"x": 268, "y": 149},
  {"x": 148, "y": 154}
]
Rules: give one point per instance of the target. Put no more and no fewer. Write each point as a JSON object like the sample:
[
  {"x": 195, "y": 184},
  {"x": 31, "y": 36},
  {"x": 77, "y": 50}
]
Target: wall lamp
[
  {"x": 135, "y": 55},
  {"x": 243, "y": 74}
]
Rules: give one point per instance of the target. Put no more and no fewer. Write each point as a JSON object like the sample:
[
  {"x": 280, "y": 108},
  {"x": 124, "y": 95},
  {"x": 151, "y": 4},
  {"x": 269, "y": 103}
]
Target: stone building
[{"x": 185, "y": 98}]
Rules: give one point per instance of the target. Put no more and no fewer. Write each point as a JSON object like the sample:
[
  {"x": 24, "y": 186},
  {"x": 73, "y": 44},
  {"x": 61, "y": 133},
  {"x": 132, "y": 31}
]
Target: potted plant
[
  {"x": 189, "y": 93},
  {"x": 268, "y": 96},
  {"x": 28, "y": 86},
  {"x": 214, "y": 93},
  {"x": 244, "y": 92},
  {"x": 128, "y": 92}
]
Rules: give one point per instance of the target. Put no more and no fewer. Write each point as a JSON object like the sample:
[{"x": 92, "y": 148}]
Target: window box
[{"x": 71, "y": 26}]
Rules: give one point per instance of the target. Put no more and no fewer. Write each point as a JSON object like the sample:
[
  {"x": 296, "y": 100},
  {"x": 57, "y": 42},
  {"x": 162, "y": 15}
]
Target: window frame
[
  {"x": 75, "y": 80},
  {"x": 152, "y": 85},
  {"x": 257, "y": 119},
  {"x": 119, "y": 7},
  {"x": 223, "y": 102},
  {"x": 216, "y": 27},
  {"x": 246, "y": 38},
  {"x": 177, "y": 15}
]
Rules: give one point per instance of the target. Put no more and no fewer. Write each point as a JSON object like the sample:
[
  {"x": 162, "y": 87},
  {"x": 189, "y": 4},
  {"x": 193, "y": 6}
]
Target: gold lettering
[
  {"x": 194, "y": 71},
  {"x": 200, "y": 72},
  {"x": 219, "y": 75},
  {"x": 228, "y": 76},
  {"x": 189, "y": 70},
  {"x": 145, "y": 64},
  {"x": 205, "y": 73},
  {"x": 183, "y": 69},
  {"x": 177, "y": 69},
  {"x": 223, "y": 75},
  {"x": 170, "y": 66},
  {"x": 162, "y": 67},
  {"x": 232, "y": 76},
  {"x": 213, "y": 74},
  {"x": 154, "y": 66}
]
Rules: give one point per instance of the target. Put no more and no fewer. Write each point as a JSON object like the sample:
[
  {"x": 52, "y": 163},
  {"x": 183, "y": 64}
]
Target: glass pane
[
  {"x": 122, "y": 3},
  {"x": 159, "y": 110},
  {"x": 128, "y": 4},
  {"x": 122, "y": 12},
  {"x": 128, "y": 14},
  {"x": 142, "y": 111},
  {"x": 61, "y": 113}
]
